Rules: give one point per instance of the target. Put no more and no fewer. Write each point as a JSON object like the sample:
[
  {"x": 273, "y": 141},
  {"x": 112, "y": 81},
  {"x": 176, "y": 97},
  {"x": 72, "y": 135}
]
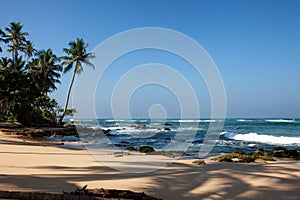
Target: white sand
[{"x": 27, "y": 167}]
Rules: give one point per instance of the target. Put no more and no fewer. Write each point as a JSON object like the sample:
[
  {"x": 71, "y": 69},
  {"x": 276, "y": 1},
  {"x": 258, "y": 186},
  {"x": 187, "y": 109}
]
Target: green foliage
[
  {"x": 69, "y": 111},
  {"x": 24, "y": 85},
  {"x": 11, "y": 119}
]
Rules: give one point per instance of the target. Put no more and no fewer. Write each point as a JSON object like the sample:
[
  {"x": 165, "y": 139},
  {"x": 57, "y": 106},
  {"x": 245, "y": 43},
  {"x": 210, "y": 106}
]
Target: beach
[{"x": 48, "y": 167}]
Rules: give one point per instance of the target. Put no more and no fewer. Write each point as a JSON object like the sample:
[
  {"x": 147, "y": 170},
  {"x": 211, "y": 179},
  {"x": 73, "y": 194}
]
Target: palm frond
[{"x": 68, "y": 67}]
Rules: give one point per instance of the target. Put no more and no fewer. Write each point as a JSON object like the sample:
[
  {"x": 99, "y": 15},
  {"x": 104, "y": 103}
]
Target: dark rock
[
  {"x": 110, "y": 193},
  {"x": 281, "y": 152},
  {"x": 141, "y": 127},
  {"x": 131, "y": 148},
  {"x": 106, "y": 131},
  {"x": 294, "y": 153},
  {"x": 168, "y": 124},
  {"x": 197, "y": 142},
  {"x": 146, "y": 149},
  {"x": 167, "y": 129},
  {"x": 279, "y": 149}
]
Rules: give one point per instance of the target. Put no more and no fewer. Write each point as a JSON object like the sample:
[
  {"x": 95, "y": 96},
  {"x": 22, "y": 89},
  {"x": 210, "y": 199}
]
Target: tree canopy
[{"x": 29, "y": 76}]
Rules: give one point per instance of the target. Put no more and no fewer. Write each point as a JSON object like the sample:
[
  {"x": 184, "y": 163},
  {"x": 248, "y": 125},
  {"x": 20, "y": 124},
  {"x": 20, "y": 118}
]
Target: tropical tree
[
  {"x": 76, "y": 56},
  {"x": 2, "y": 34},
  {"x": 28, "y": 49},
  {"x": 16, "y": 37},
  {"x": 4, "y": 91},
  {"x": 14, "y": 86},
  {"x": 45, "y": 71}
]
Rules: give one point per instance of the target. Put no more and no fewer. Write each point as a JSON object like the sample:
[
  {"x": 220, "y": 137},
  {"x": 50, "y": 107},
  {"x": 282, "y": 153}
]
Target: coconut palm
[
  {"x": 45, "y": 71},
  {"x": 2, "y": 34},
  {"x": 16, "y": 37},
  {"x": 76, "y": 56},
  {"x": 4, "y": 92},
  {"x": 28, "y": 49}
]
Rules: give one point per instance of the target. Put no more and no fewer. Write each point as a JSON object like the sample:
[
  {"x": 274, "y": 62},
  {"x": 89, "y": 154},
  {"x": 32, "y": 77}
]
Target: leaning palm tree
[
  {"x": 77, "y": 55},
  {"x": 16, "y": 37}
]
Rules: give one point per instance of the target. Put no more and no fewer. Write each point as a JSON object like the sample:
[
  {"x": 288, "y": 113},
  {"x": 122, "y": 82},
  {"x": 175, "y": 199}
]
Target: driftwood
[{"x": 79, "y": 194}]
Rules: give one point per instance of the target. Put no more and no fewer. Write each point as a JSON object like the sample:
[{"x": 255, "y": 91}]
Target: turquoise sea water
[{"x": 187, "y": 136}]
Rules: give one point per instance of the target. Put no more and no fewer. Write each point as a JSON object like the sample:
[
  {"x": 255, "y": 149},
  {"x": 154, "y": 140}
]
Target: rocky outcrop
[
  {"x": 239, "y": 155},
  {"x": 39, "y": 132},
  {"x": 281, "y": 152},
  {"x": 146, "y": 149}
]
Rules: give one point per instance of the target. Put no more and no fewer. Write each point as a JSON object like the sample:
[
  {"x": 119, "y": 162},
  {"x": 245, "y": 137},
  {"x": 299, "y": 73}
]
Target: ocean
[{"x": 186, "y": 137}]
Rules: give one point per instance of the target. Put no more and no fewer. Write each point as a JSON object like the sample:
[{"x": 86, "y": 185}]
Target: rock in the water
[
  {"x": 141, "y": 127},
  {"x": 167, "y": 124},
  {"x": 106, "y": 131}
]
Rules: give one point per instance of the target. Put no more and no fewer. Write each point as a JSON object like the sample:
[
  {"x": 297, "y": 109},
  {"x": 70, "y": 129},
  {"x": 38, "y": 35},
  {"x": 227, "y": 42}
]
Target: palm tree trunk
[
  {"x": 14, "y": 59},
  {"x": 68, "y": 96}
]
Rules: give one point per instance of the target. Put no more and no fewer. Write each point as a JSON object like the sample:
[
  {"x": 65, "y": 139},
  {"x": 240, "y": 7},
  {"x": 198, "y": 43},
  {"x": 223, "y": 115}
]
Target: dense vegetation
[{"x": 28, "y": 76}]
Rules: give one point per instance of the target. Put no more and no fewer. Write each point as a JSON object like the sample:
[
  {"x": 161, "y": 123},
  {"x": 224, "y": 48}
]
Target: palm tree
[
  {"x": 76, "y": 55},
  {"x": 16, "y": 37},
  {"x": 4, "y": 87},
  {"x": 2, "y": 34},
  {"x": 45, "y": 71},
  {"x": 28, "y": 49}
]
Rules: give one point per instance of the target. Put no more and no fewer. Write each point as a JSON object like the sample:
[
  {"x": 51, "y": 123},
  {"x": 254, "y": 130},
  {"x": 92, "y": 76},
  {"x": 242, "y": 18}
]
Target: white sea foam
[
  {"x": 267, "y": 139},
  {"x": 244, "y": 120},
  {"x": 188, "y": 120},
  {"x": 196, "y": 120},
  {"x": 281, "y": 120},
  {"x": 189, "y": 129}
]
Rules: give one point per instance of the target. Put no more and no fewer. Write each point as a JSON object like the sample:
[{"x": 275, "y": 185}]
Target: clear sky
[{"x": 254, "y": 43}]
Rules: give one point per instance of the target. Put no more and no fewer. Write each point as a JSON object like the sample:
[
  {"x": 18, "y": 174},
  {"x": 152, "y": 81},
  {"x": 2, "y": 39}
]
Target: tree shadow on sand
[{"x": 177, "y": 181}]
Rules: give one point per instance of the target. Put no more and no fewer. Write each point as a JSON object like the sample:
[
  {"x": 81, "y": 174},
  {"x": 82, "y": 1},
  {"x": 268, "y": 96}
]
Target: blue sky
[{"x": 254, "y": 43}]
